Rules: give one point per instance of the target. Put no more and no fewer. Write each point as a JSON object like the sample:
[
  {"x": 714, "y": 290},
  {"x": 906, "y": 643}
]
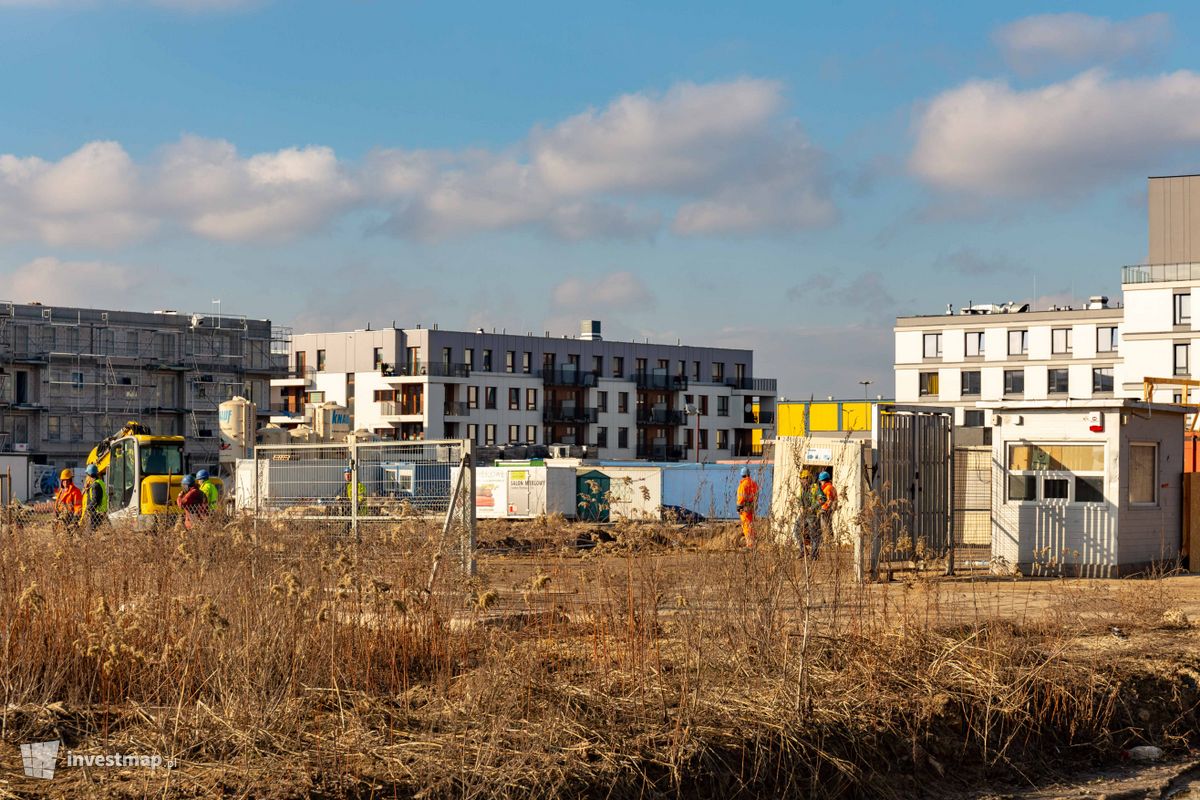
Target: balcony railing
[
  {"x": 296, "y": 373},
  {"x": 660, "y": 416},
  {"x": 397, "y": 408},
  {"x": 1160, "y": 273},
  {"x": 747, "y": 450},
  {"x": 657, "y": 380},
  {"x": 759, "y": 418},
  {"x": 455, "y": 409},
  {"x": 662, "y": 452},
  {"x": 570, "y": 414},
  {"x": 752, "y": 384},
  {"x": 419, "y": 369},
  {"x": 567, "y": 376}
]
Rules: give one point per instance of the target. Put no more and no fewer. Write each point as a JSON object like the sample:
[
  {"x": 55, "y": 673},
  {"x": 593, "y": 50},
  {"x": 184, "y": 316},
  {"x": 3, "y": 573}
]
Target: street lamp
[{"x": 866, "y": 385}]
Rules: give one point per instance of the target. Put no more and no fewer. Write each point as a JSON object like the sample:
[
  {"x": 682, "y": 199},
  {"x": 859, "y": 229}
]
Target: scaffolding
[{"x": 1188, "y": 396}]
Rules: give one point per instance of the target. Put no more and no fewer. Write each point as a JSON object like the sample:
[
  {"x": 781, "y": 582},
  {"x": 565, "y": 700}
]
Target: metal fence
[{"x": 357, "y": 483}]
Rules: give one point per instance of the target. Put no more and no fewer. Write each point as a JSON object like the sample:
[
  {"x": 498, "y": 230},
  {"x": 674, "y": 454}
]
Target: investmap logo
[{"x": 39, "y": 759}]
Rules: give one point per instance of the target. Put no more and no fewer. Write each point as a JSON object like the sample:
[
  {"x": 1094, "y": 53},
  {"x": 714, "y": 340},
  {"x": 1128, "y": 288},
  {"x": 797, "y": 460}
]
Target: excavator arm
[{"x": 99, "y": 454}]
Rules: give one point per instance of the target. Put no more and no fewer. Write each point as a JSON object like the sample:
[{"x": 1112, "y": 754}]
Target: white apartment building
[
  {"x": 993, "y": 353},
  {"x": 623, "y": 400}
]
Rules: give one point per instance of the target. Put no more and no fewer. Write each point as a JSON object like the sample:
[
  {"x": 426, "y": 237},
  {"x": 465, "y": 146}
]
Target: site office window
[
  {"x": 1060, "y": 341},
  {"x": 974, "y": 344},
  {"x": 1143, "y": 474},
  {"x": 932, "y": 345},
  {"x": 1107, "y": 339},
  {"x": 929, "y": 384},
  {"x": 1183, "y": 308},
  {"x": 1056, "y": 474}
]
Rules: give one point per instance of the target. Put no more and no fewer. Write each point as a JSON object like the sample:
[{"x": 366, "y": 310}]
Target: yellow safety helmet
[
  {"x": 806, "y": 473},
  {"x": 66, "y": 475}
]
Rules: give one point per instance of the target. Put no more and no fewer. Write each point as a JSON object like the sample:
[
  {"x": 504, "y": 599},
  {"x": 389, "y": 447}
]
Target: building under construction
[{"x": 71, "y": 376}]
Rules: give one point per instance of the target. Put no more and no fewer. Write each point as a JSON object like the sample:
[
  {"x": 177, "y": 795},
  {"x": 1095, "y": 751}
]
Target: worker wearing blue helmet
[
  {"x": 212, "y": 493},
  {"x": 95, "y": 499},
  {"x": 826, "y": 502}
]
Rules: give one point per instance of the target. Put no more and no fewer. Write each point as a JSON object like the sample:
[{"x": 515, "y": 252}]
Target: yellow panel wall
[
  {"x": 790, "y": 419},
  {"x": 856, "y": 416},
  {"x": 824, "y": 417}
]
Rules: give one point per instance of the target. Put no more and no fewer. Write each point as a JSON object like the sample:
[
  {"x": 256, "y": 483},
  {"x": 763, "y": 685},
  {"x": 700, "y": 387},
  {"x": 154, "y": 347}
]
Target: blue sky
[{"x": 788, "y": 177}]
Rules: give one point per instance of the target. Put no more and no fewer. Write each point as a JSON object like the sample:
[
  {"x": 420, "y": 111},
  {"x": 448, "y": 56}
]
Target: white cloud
[
  {"x": 619, "y": 291},
  {"x": 52, "y": 281},
  {"x": 709, "y": 159},
  {"x": 1048, "y": 40},
  {"x": 986, "y": 139}
]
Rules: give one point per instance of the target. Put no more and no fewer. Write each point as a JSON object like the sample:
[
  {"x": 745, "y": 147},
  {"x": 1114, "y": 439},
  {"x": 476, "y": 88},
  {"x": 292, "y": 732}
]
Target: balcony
[
  {"x": 759, "y": 418},
  {"x": 662, "y": 452},
  {"x": 765, "y": 385},
  {"x": 420, "y": 370},
  {"x": 1159, "y": 273},
  {"x": 302, "y": 378},
  {"x": 658, "y": 380},
  {"x": 396, "y": 408},
  {"x": 569, "y": 414},
  {"x": 567, "y": 376},
  {"x": 747, "y": 450},
  {"x": 660, "y": 416},
  {"x": 453, "y": 409}
]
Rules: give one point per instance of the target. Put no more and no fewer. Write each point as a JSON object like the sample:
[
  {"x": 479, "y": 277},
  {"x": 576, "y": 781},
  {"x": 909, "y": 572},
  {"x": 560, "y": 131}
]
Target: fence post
[
  {"x": 352, "y": 491},
  {"x": 949, "y": 435},
  {"x": 257, "y": 480},
  {"x": 468, "y": 508}
]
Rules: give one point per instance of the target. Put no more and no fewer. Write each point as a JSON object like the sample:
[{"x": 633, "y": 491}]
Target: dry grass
[{"x": 290, "y": 665}]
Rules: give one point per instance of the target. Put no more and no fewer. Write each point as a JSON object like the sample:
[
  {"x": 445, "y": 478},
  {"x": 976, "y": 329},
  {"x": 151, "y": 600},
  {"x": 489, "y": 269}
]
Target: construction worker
[
  {"x": 210, "y": 489},
  {"x": 808, "y": 524},
  {"x": 747, "y": 501},
  {"x": 95, "y": 500},
  {"x": 350, "y": 492},
  {"x": 826, "y": 499},
  {"x": 68, "y": 500},
  {"x": 192, "y": 501}
]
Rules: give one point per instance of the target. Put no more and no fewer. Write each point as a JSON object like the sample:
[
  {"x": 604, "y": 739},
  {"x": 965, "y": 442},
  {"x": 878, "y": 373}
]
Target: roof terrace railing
[{"x": 1160, "y": 273}]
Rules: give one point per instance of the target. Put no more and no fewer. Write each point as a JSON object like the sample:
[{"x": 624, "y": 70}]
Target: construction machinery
[{"x": 143, "y": 472}]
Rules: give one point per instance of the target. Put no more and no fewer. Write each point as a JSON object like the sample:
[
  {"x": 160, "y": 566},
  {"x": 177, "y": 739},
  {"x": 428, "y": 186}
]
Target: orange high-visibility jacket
[
  {"x": 69, "y": 498},
  {"x": 747, "y": 493},
  {"x": 830, "y": 495}
]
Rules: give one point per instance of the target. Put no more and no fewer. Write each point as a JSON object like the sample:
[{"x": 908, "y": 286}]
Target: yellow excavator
[{"x": 143, "y": 472}]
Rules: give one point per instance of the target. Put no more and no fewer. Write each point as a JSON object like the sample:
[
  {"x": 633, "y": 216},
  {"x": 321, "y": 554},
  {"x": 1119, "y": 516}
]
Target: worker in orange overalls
[
  {"x": 747, "y": 501},
  {"x": 68, "y": 500}
]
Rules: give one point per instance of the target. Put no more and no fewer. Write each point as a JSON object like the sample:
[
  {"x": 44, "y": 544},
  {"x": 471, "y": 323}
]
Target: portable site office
[{"x": 1089, "y": 488}]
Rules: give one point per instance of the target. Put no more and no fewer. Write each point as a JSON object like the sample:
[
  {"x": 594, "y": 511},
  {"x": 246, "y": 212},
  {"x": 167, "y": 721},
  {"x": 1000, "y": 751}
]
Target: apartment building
[
  {"x": 71, "y": 376},
  {"x": 1003, "y": 352},
  {"x": 623, "y": 400}
]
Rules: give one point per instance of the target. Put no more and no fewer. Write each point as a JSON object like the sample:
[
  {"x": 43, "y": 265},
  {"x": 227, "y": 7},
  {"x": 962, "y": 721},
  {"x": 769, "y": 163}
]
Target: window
[
  {"x": 531, "y": 434},
  {"x": 472, "y": 397},
  {"x": 377, "y": 356},
  {"x": 618, "y": 363},
  {"x": 690, "y": 443},
  {"x": 1181, "y": 359},
  {"x": 1018, "y": 343},
  {"x": 1107, "y": 340},
  {"x": 381, "y": 395},
  {"x": 622, "y": 402},
  {"x": 473, "y": 432},
  {"x": 531, "y": 399},
  {"x": 722, "y": 440},
  {"x": 514, "y": 399},
  {"x": 1143, "y": 474},
  {"x": 514, "y": 434},
  {"x": 527, "y": 362},
  {"x": 447, "y": 355},
  {"x": 1183, "y": 308},
  {"x": 320, "y": 361},
  {"x": 972, "y": 419},
  {"x": 510, "y": 360},
  {"x": 489, "y": 397},
  {"x": 929, "y": 384},
  {"x": 622, "y": 438},
  {"x": 602, "y": 402},
  {"x": 974, "y": 343},
  {"x": 718, "y": 372},
  {"x": 1057, "y": 381},
  {"x": 598, "y": 365},
  {"x": 487, "y": 360},
  {"x": 1060, "y": 341},
  {"x": 77, "y": 380},
  {"x": 696, "y": 370},
  {"x": 933, "y": 345},
  {"x": 53, "y": 428},
  {"x": 1014, "y": 381},
  {"x": 640, "y": 366},
  {"x": 601, "y": 437},
  {"x": 722, "y": 406},
  {"x": 970, "y": 382},
  {"x": 703, "y": 438},
  {"x": 704, "y": 405},
  {"x": 469, "y": 357},
  {"x": 1066, "y": 473},
  {"x": 489, "y": 434},
  {"x": 1102, "y": 379}
]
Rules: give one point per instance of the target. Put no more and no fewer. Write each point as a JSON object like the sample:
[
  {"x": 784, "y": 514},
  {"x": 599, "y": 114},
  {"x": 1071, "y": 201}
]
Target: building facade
[
  {"x": 994, "y": 353},
  {"x": 622, "y": 400},
  {"x": 69, "y": 377}
]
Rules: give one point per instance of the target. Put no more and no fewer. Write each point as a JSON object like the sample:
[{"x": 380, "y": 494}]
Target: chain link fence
[{"x": 361, "y": 483}]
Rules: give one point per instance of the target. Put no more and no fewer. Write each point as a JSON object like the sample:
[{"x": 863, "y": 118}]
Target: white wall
[
  {"x": 910, "y": 347},
  {"x": 1149, "y": 310}
]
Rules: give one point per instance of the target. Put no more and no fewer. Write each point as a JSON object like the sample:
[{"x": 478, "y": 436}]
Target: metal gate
[
  {"x": 973, "y": 504},
  {"x": 914, "y": 483}
]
